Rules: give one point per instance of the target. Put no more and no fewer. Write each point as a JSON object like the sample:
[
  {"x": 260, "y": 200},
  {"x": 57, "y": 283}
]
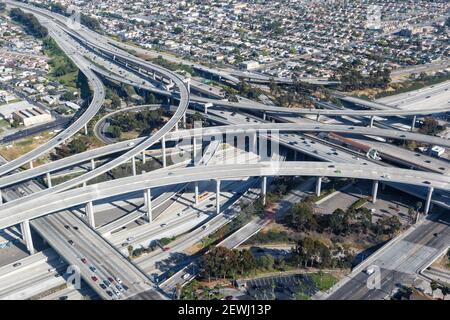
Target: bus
[{"x": 203, "y": 196}]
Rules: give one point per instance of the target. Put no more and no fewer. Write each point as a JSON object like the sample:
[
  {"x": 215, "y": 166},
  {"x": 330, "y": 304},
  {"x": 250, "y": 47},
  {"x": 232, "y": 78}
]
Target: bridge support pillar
[
  {"x": 49, "y": 180},
  {"x": 371, "y": 122},
  {"x": 217, "y": 196},
  {"x": 413, "y": 124},
  {"x": 428, "y": 203},
  {"x": 374, "y": 191},
  {"x": 264, "y": 116},
  {"x": 133, "y": 165},
  {"x": 26, "y": 233},
  {"x": 31, "y": 164},
  {"x": 90, "y": 214},
  {"x": 143, "y": 157},
  {"x": 184, "y": 120},
  {"x": 196, "y": 191},
  {"x": 318, "y": 117},
  {"x": 1, "y": 197},
  {"x": 163, "y": 144},
  {"x": 318, "y": 186},
  {"x": 85, "y": 130},
  {"x": 264, "y": 190},
  {"x": 176, "y": 126},
  {"x": 206, "y": 108},
  {"x": 148, "y": 204},
  {"x": 92, "y": 164}
]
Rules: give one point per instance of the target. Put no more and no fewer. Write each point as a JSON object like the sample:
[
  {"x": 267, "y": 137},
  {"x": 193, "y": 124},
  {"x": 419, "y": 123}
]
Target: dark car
[
  {"x": 71, "y": 242},
  {"x": 67, "y": 227},
  {"x": 109, "y": 293}
]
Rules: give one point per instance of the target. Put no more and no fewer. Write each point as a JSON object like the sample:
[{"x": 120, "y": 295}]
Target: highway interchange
[{"x": 52, "y": 203}]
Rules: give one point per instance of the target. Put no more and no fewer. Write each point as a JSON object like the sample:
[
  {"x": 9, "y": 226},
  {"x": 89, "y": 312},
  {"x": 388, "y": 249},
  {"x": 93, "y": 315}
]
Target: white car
[
  {"x": 370, "y": 270},
  {"x": 185, "y": 276},
  {"x": 130, "y": 144},
  {"x": 119, "y": 280}
]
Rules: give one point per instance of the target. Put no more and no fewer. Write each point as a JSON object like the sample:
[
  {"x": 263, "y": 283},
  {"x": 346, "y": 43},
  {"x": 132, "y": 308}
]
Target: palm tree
[
  {"x": 445, "y": 291},
  {"x": 434, "y": 286}
]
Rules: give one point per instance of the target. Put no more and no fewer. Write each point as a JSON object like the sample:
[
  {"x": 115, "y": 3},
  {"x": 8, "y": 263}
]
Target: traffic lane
[{"x": 107, "y": 255}]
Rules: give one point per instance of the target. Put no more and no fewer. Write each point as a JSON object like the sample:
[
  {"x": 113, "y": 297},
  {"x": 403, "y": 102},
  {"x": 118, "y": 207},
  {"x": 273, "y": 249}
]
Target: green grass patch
[
  {"x": 358, "y": 203},
  {"x": 323, "y": 281}
]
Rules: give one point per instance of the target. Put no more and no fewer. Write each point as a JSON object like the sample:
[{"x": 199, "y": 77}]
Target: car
[
  {"x": 106, "y": 283},
  {"x": 94, "y": 278},
  {"x": 427, "y": 182},
  {"x": 386, "y": 176},
  {"x": 435, "y": 234},
  {"x": 110, "y": 279},
  {"x": 63, "y": 298},
  {"x": 119, "y": 280},
  {"x": 67, "y": 227},
  {"x": 119, "y": 287},
  {"x": 130, "y": 238},
  {"x": 337, "y": 171},
  {"x": 166, "y": 248},
  {"x": 17, "y": 264},
  {"x": 92, "y": 268},
  {"x": 209, "y": 205},
  {"x": 75, "y": 228},
  {"x": 117, "y": 292},
  {"x": 130, "y": 144},
  {"x": 163, "y": 225},
  {"x": 229, "y": 298},
  {"x": 109, "y": 293},
  {"x": 185, "y": 276},
  {"x": 205, "y": 226},
  {"x": 331, "y": 166},
  {"x": 84, "y": 260},
  {"x": 125, "y": 244},
  {"x": 370, "y": 270},
  {"x": 427, "y": 97},
  {"x": 102, "y": 286},
  {"x": 71, "y": 242}
]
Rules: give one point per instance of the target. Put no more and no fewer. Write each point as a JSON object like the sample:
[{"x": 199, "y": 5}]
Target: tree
[
  {"x": 68, "y": 96},
  {"x": 419, "y": 205},
  {"x": 247, "y": 261},
  {"x": 430, "y": 126},
  {"x": 445, "y": 290},
  {"x": 130, "y": 251},
  {"x": 115, "y": 132},
  {"x": 178, "y": 30},
  {"x": 434, "y": 286},
  {"x": 115, "y": 100},
  {"x": 265, "y": 262},
  {"x": 302, "y": 217}
]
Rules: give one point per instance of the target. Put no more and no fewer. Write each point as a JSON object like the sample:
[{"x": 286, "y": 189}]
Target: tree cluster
[
  {"x": 30, "y": 23},
  {"x": 77, "y": 145},
  {"x": 143, "y": 121},
  {"x": 61, "y": 64},
  {"x": 352, "y": 78},
  {"x": 221, "y": 262},
  {"x": 340, "y": 222},
  {"x": 430, "y": 126}
]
